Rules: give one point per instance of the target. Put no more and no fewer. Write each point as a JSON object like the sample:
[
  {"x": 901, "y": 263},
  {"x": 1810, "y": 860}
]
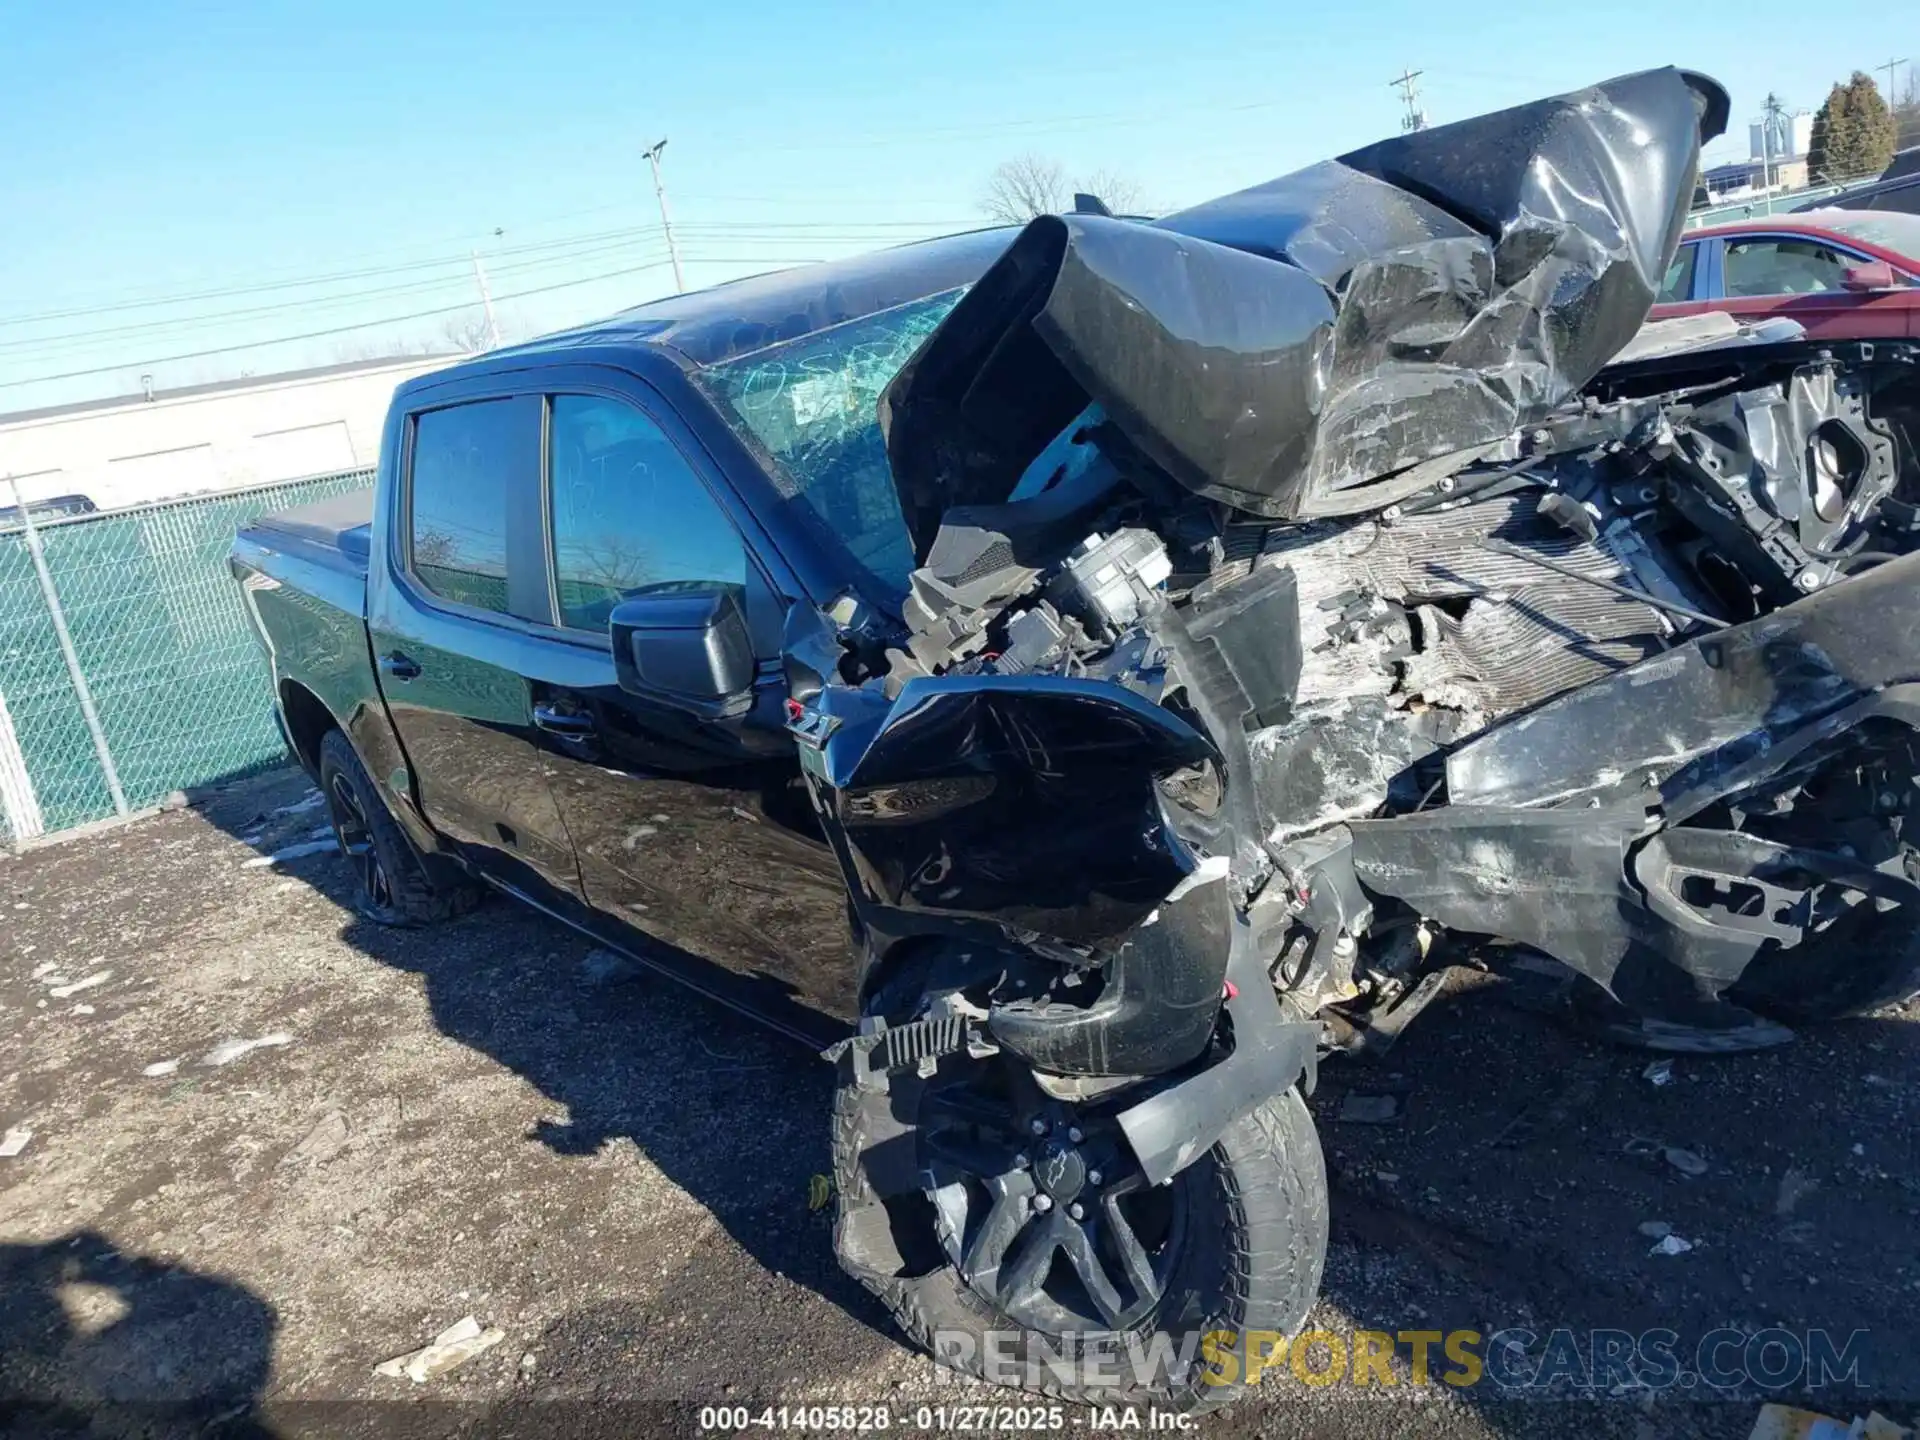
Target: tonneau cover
[{"x": 342, "y": 522}]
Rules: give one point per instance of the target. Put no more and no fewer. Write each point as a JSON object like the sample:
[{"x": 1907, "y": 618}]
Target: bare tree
[
  {"x": 1023, "y": 188},
  {"x": 467, "y": 332},
  {"x": 1906, "y": 114},
  {"x": 1031, "y": 185},
  {"x": 388, "y": 349},
  {"x": 1120, "y": 195},
  {"x": 617, "y": 562}
]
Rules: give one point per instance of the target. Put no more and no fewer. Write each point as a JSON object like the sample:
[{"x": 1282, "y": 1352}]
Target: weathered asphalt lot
[{"x": 490, "y": 1119}]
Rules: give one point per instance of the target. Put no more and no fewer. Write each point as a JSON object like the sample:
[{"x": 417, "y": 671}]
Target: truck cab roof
[{"x": 724, "y": 322}]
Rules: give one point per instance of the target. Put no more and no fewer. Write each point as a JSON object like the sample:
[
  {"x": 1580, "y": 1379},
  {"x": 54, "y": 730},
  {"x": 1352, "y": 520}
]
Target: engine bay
[{"x": 1608, "y": 534}]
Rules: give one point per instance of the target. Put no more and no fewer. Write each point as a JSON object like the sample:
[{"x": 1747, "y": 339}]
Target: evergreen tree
[{"x": 1853, "y": 132}]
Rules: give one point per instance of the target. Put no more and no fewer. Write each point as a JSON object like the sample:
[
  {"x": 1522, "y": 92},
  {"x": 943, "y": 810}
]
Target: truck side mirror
[
  {"x": 686, "y": 648},
  {"x": 1869, "y": 275}
]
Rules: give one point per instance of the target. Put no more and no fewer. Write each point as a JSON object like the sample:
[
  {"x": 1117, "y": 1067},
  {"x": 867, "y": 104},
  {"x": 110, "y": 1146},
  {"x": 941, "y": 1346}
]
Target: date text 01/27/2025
[{"x": 957, "y": 1419}]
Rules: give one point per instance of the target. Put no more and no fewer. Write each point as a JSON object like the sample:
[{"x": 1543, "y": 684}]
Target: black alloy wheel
[
  {"x": 391, "y": 883},
  {"x": 1043, "y": 1213},
  {"x": 1010, "y": 1232},
  {"x": 355, "y": 834}
]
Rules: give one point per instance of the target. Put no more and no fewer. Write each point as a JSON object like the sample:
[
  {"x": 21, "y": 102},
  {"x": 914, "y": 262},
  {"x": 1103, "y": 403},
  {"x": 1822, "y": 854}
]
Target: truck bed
[
  {"x": 343, "y": 524},
  {"x": 304, "y": 574}
]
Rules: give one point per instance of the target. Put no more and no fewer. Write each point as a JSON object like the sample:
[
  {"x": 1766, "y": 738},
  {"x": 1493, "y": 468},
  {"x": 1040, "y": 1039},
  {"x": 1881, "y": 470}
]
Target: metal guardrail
[{"x": 128, "y": 667}]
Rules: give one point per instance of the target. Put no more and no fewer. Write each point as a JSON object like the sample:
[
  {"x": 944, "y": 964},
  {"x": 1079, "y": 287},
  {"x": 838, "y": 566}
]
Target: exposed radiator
[{"x": 1483, "y": 633}]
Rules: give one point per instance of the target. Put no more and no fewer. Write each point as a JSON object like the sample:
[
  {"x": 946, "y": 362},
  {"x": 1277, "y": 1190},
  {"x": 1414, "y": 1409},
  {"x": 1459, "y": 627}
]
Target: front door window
[
  {"x": 630, "y": 517},
  {"x": 1784, "y": 267}
]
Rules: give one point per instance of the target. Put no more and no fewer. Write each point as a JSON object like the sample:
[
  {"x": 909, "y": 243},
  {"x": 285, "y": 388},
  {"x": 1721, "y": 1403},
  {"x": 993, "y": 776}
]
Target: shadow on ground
[
  {"x": 734, "y": 1116},
  {"x": 1508, "y": 1195},
  {"x": 94, "y": 1340}
]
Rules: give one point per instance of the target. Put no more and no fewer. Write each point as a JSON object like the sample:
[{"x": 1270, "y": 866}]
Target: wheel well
[{"x": 308, "y": 721}]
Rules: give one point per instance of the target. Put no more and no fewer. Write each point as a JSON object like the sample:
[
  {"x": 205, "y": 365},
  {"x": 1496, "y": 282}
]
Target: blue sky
[{"x": 181, "y": 150}]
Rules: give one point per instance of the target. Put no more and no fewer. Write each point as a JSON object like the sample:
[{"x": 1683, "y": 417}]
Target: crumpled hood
[{"x": 1296, "y": 349}]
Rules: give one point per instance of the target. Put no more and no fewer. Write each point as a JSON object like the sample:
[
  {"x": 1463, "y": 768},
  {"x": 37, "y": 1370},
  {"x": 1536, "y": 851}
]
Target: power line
[
  {"x": 81, "y": 338},
  {"x": 325, "y": 334},
  {"x": 844, "y": 226},
  {"x": 824, "y": 191},
  {"x": 712, "y": 229},
  {"x": 767, "y": 260},
  {"x": 441, "y": 262},
  {"x": 760, "y": 259},
  {"x": 187, "y": 297},
  {"x": 460, "y": 242}
]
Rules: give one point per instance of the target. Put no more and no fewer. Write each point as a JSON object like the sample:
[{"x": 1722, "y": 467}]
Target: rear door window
[
  {"x": 1679, "y": 282},
  {"x": 1886, "y": 228},
  {"x": 466, "y": 463}
]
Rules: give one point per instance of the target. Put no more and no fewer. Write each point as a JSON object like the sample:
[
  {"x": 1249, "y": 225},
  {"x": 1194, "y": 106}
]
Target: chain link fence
[{"x": 162, "y": 646}]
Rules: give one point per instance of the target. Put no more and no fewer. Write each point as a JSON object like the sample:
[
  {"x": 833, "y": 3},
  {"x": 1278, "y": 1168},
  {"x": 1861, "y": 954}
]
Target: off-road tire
[
  {"x": 1252, "y": 1260},
  {"x": 412, "y": 897}
]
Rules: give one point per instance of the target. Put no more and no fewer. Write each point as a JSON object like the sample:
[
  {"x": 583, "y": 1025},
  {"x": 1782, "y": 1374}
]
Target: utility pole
[
  {"x": 1892, "y": 65},
  {"x": 652, "y": 153},
  {"x": 1771, "y": 138},
  {"x": 1415, "y": 118},
  {"x": 1776, "y": 134},
  {"x": 486, "y": 302},
  {"x": 1766, "y": 161}
]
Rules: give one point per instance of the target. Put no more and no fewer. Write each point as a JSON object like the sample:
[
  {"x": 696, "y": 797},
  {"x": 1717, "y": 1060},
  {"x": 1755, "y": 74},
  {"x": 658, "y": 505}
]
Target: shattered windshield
[{"x": 812, "y": 404}]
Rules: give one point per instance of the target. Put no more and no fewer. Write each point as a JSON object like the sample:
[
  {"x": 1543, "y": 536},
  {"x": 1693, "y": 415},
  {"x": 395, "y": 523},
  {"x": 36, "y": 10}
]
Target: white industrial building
[{"x": 165, "y": 443}]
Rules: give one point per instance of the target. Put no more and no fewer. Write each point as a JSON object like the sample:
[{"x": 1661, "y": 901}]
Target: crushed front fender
[{"x": 1026, "y": 803}]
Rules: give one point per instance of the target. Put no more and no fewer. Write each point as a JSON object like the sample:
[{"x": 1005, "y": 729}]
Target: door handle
[
  {"x": 400, "y": 667},
  {"x": 562, "y": 722}
]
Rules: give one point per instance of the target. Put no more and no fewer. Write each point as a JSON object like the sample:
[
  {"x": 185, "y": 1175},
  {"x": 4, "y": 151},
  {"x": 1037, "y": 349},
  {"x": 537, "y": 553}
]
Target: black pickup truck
[{"x": 1080, "y": 676}]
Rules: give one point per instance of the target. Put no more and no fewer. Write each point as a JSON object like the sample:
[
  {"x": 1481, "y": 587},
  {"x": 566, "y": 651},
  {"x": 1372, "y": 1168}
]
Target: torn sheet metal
[
  {"x": 1480, "y": 632},
  {"x": 1582, "y": 830},
  {"x": 1567, "y": 883},
  {"x": 1328, "y": 763},
  {"x": 1023, "y": 802},
  {"x": 1290, "y": 349},
  {"x": 1555, "y": 880},
  {"x": 1710, "y": 705}
]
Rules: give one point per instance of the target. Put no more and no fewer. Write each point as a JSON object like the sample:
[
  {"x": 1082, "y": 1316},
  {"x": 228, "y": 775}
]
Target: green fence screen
[{"x": 162, "y": 637}]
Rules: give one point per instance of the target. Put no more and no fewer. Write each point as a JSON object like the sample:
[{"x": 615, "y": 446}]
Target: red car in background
[{"x": 1842, "y": 274}]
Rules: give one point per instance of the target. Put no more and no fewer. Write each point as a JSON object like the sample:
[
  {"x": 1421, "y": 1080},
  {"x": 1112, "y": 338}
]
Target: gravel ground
[{"x": 494, "y": 1119}]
